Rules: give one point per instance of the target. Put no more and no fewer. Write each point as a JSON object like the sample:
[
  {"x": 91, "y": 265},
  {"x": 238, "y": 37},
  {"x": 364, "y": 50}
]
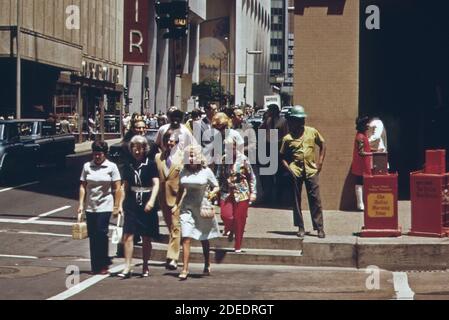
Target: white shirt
[
  {"x": 377, "y": 136},
  {"x": 99, "y": 181},
  {"x": 184, "y": 134}
]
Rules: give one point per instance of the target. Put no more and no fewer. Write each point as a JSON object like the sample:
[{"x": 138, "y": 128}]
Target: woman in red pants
[{"x": 237, "y": 191}]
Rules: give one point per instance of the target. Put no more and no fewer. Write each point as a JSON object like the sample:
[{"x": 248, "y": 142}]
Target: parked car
[
  {"x": 255, "y": 121},
  {"x": 285, "y": 111},
  {"x": 116, "y": 150},
  {"x": 25, "y": 144}
]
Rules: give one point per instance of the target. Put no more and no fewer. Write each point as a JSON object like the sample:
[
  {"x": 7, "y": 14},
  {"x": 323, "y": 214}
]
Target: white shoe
[{"x": 359, "y": 196}]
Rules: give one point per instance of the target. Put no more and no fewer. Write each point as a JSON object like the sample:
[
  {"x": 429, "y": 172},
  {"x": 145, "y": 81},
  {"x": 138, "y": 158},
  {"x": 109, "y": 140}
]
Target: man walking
[{"x": 298, "y": 158}]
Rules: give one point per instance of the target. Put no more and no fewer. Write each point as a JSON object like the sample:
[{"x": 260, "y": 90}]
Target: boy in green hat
[{"x": 298, "y": 157}]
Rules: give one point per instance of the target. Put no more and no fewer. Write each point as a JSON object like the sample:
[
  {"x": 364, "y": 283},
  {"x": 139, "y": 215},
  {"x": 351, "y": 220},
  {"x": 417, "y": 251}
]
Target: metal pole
[
  {"x": 229, "y": 78},
  {"x": 246, "y": 76},
  {"x": 19, "y": 66},
  {"x": 221, "y": 93}
]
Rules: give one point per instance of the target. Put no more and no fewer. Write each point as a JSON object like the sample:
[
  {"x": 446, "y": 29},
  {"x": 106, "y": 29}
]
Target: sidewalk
[
  {"x": 270, "y": 239},
  {"x": 86, "y": 146}
]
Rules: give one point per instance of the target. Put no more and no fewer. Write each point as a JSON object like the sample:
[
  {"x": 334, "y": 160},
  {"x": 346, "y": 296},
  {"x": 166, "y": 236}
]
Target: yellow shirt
[{"x": 300, "y": 152}]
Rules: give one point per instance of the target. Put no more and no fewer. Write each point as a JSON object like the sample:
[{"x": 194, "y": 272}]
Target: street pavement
[{"x": 37, "y": 255}]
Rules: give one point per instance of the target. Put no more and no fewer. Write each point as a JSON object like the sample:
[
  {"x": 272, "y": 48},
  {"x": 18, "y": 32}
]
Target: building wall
[
  {"x": 252, "y": 20},
  {"x": 326, "y": 83},
  {"x": 46, "y": 38}
]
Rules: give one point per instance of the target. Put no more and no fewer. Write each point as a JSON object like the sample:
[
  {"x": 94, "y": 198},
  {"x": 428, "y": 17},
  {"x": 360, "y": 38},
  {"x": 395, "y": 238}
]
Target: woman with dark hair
[
  {"x": 99, "y": 196},
  {"x": 361, "y": 158},
  {"x": 140, "y": 187}
]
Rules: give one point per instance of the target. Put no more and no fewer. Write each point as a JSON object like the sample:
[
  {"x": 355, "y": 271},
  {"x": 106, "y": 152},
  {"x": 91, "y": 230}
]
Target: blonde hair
[
  {"x": 198, "y": 153},
  {"x": 221, "y": 119}
]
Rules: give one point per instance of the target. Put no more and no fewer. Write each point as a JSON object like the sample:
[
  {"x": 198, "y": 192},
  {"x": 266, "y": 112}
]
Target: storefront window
[{"x": 66, "y": 101}]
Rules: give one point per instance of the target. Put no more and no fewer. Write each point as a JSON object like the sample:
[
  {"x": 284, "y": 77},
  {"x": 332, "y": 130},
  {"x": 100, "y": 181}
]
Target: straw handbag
[{"x": 79, "y": 229}]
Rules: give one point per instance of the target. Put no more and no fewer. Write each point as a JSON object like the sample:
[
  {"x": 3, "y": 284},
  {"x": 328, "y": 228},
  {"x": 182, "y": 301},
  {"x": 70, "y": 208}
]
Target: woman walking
[
  {"x": 238, "y": 190},
  {"x": 99, "y": 197},
  {"x": 361, "y": 158},
  {"x": 196, "y": 181},
  {"x": 141, "y": 187}
]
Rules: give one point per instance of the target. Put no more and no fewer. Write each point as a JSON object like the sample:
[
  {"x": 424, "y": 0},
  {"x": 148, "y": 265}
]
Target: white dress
[{"x": 192, "y": 224}]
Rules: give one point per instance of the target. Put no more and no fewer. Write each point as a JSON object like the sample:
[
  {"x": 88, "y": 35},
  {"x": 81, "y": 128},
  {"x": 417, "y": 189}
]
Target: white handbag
[{"x": 117, "y": 232}]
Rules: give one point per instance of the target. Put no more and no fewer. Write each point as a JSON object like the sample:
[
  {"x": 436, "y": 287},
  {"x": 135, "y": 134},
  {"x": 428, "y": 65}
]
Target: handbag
[
  {"x": 79, "y": 229},
  {"x": 207, "y": 209},
  {"x": 117, "y": 232}
]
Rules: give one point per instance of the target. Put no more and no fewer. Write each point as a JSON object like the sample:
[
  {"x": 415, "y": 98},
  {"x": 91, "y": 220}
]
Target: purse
[
  {"x": 79, "y": 229},
  {"x": 117, "y": 232},
  {"x": 207, "y": 209}
]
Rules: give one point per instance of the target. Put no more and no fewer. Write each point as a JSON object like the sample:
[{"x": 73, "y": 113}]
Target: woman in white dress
[{"x": 196, "y": 182}]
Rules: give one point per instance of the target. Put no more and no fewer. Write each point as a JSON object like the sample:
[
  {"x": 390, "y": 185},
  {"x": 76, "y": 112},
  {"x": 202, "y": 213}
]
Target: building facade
[
  {"x": 172, "y": 66},
  {"x": 381, "y": 58},
  {"x": 72, "y": 55}
]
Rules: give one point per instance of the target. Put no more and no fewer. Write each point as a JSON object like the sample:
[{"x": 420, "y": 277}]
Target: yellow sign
[
  {"x": 180, "y": 22},
  {"x": 380, "y": 205}
]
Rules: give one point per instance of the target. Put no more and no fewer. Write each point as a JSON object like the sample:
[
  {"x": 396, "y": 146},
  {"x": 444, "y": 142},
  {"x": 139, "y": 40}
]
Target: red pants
[{"x": 234, "y": 217}]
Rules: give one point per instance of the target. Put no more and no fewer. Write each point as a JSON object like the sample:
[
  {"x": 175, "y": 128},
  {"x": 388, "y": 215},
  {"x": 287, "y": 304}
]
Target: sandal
[{"x": 183, "y": 275}]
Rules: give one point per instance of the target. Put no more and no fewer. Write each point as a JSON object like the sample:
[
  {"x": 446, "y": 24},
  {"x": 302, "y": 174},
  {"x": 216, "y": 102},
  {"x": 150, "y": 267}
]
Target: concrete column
[
  {"x": 327, "y": 84},
  {"x": 162, "y": 76},
  {"x": 195, "y": 32},
  {"x": 135, "y": 88}
]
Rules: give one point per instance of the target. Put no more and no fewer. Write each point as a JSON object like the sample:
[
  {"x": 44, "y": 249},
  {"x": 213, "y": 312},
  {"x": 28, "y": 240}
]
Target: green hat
[{"x": 297, "y": 112}]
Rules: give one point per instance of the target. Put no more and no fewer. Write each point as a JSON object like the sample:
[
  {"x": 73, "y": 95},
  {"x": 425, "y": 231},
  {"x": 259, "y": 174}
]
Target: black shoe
[
  {"x": 321, "y": 234},
  {"x": 172, "y": 265},
  {"x": 301, "y": 233}
]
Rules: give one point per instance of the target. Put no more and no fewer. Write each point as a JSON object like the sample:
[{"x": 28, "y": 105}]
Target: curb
[{"x": 394, "y": 255}]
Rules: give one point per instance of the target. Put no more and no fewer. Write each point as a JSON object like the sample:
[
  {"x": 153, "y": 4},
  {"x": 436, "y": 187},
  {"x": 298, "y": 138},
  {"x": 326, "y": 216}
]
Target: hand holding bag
[
  {"x": 79, "y": 229},
  {"x": 207, "y": 209},
  {"x": 117, "y": 232}
]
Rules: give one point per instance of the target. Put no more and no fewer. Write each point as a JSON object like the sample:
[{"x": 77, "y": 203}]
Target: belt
[{"x": 141, "y": 189}]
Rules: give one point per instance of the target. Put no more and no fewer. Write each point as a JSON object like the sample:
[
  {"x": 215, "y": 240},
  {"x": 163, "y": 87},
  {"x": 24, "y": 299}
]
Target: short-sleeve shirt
[
  {"x": 100, "y": 179},
  {"x": 139, "y": 176},
  {"x": 185, "y": 136},
  {"x": 300, "y": 152}
]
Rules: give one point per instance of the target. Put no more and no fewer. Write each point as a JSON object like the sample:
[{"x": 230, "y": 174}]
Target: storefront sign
[
  {"x": 97, "y": 71},
  {"x": 136, "y": 29}
]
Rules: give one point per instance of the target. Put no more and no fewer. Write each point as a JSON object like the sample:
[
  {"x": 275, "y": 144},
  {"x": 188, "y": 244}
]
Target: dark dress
[{"x": 137, "y": 221}]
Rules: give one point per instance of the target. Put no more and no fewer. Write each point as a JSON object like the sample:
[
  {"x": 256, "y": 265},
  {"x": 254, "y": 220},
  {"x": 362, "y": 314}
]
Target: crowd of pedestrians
[{"x": 195, "y": 165}]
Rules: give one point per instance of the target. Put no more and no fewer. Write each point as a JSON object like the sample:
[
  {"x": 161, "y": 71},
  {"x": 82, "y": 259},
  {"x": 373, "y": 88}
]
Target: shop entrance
[{"x": 404, "y": 79}]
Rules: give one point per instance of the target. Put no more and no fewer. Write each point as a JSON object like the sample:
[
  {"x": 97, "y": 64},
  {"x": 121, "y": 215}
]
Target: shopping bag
[
  {"x": 117, "y": 232},
  {"x": 79, "y": 229}
]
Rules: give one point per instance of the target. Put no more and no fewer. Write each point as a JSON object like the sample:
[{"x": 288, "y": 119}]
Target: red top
[{"x": 361, "y": 164}]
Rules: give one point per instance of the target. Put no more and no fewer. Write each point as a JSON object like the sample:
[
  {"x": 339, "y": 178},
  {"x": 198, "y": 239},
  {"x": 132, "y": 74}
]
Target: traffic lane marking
[
  {"x": 18, "y": 257},
  {"x": 46, "y": 214},
  {"x": 85, "y": 284},
  {"x": 401, "y": 287},
  {"x": 33, "y": 233},
  {"x": 20, "y": 186}
]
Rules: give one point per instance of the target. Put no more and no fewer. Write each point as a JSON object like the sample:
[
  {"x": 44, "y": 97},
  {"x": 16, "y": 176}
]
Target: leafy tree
[{"x": 207, "y": 91}]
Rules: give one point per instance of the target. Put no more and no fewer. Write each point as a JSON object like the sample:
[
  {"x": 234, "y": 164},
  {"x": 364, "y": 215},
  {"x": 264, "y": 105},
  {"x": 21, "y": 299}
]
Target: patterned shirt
[{"x": 237, "y": 179}]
